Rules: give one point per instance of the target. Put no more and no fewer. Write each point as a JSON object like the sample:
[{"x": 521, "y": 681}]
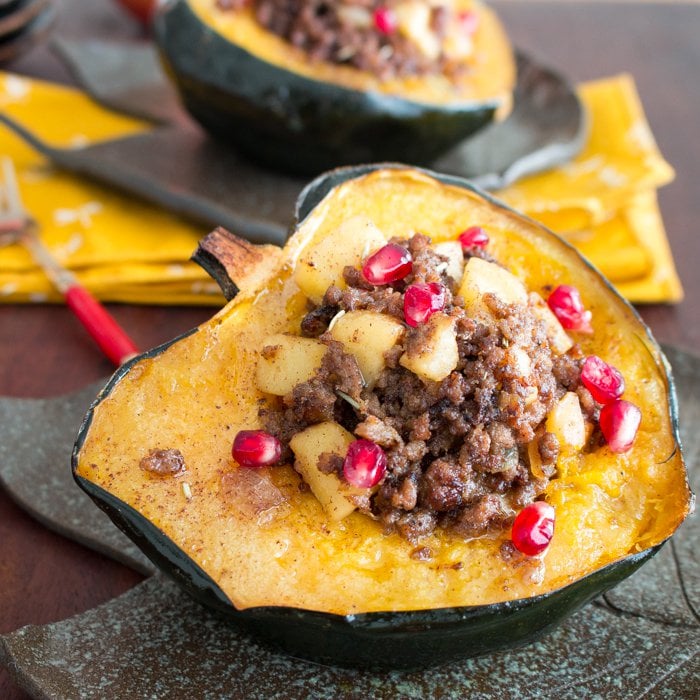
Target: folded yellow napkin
[
  {"x": 125, "y": 250},
  {"x": 604, "y": 201},
  {"x": 620, "y": 158},
  {"x": 122, "y": 249}
]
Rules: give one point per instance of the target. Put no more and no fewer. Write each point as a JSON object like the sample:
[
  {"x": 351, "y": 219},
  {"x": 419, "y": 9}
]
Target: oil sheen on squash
[{"x": 200, "y": 392}]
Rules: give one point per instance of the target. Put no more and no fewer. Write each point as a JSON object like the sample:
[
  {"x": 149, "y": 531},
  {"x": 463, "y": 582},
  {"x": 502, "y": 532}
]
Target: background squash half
[{"x": 251, "y": 87}]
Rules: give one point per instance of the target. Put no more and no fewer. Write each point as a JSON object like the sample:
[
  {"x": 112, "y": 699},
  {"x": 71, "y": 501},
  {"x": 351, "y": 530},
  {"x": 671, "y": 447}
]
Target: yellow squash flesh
[
  {"x": 199, "y": 392},
  {"x": 492, "y": 77}
]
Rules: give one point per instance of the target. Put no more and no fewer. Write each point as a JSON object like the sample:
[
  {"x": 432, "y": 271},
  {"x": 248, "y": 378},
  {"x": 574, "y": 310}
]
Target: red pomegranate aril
[
  {"x": 468, "y": 21},
  {"x": 533, "y": 528},
  {"x": 565, "y": 302},
  {"x": 385, "y": 20},
  {"x": 619, "y": 422},
  {"x": 389, "y": 264},
  {"x": 474, "y": 237},
  {"x": 365, "y": 464},
  {"x": 256, "y": 448},
  {"x": 421, "y": 301},
  {"x": 604, "y": 381}
]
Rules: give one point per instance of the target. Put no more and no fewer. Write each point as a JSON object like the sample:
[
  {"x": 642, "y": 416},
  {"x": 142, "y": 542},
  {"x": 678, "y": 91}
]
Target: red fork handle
[{"x": 108, "y": 334}]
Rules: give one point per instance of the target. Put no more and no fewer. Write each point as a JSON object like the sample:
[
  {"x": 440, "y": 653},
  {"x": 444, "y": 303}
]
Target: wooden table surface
[{"x": 44, "y": 352}]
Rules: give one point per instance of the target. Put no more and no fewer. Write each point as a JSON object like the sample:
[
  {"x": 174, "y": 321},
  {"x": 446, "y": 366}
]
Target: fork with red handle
[{"x": 16, "y": 226}]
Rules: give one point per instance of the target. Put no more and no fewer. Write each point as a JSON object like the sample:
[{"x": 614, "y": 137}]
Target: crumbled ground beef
[
  {"x": 548, "y": 448},
  {"x": 457, "y": 449},
  {"x": 330, "y": 463},
  {"x": 376, "y": 430},
  {"x": 422, "y": 554},
  {"x": 163, "y": 462},
  {"x": 317, "y": 320},
  {"x": 344, "y": 32}
]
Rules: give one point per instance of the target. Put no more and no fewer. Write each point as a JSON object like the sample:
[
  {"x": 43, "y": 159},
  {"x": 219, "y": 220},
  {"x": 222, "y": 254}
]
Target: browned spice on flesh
[
  {"x": 345, "y": 33},
  {"x": 457, "y": 449}
]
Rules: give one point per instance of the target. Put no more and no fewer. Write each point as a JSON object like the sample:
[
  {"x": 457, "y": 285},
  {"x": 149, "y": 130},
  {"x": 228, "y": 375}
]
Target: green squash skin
[
  {"x": 373, "y": 641},
  {"x": 378, "y": 640},
  {"x": 294, "y": 123}
]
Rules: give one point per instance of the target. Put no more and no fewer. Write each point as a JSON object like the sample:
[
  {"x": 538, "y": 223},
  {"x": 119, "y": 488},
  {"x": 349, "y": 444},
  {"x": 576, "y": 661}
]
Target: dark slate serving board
[{"x": 640, "y": 640}]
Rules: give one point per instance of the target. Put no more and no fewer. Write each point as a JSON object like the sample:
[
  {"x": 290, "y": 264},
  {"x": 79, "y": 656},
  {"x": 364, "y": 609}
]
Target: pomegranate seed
[
  {"x": 385, "y": 20},
  {"x": 468, "y": 21},
  {"x": 256, "y": 448},
  {"x": 533, "y": 528},
  {"x": 619, "y": 422},
  {"x": 604, "y": 381},
  {"x": 565, "y": 302},
  {"x": 421, "y": 301},
  {"x": 388, "y": 264},
  {"x": 365, "y": 464},
  {"x": 474, "y": 237}
]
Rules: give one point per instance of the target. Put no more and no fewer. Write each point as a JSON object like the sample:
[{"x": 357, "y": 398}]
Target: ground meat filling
[
  {"x": 457, "y": 449},
  {"x": 163, "y": 462},
  {"x": 348, "y": 32}
]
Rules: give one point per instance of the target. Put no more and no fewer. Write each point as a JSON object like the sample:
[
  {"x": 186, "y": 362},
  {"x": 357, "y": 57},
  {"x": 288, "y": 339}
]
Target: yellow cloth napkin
[
  {"x": 121, "y": 248},
  {"x": 125, "y": 250},
  {"x": 604, "y": 201}
]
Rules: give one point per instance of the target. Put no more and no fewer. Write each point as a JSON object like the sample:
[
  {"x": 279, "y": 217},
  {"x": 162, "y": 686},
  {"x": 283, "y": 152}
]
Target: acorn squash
[
  {"x": 343, "y": 591},
  {"x": 245, "y": 84}
]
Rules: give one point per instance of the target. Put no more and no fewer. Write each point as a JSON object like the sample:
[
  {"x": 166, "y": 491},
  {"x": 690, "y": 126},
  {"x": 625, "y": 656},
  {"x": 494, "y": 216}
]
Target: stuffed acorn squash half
[
  {"x": 309, "y": 85},
  {"x": 424, "y": 430}
]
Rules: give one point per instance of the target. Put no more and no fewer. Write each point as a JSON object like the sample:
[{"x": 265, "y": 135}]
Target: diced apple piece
[
  {"x": 414, "y": 22},
  {"x": 438, "y": 355},
  {"x": 287, "y": 360},
  {"x": 519, "y": 360},
  {"x": 452, "y": 250},
  {"x": 531, "y": 396},
  {"x": 337, "y": 497},
  {"x": 483, "y": 277},
  {"x": 559, "y": 339},
  {"x": 566, "y": 421},
  {"x": 367, "y": 335},
  {"x": 323, "y": 264}
]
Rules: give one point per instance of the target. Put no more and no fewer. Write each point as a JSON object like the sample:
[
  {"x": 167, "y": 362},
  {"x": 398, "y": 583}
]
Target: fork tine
[
  {"x": 11, "y": 188},
  {"x": 13, "y": 217}
]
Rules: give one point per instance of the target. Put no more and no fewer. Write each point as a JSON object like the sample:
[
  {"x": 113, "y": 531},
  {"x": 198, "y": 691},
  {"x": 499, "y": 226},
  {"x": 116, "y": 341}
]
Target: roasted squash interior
[
  {"x": 198, "y": 393},
  {"x": 492, "y": 77}
]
